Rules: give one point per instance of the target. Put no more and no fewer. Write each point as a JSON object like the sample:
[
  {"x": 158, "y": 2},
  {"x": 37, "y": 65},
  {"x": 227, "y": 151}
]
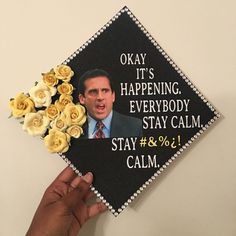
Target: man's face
[{"x": 98, "y": 97}]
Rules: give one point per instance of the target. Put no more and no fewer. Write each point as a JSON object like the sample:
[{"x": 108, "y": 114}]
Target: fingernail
[{"x": 88, "y": 177}]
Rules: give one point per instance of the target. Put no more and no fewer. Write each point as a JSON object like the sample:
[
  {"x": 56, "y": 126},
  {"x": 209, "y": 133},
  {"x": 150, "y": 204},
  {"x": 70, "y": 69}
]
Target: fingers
[
  {"x": 96, "y": 209},
  {"x": 87, "y": 178},
  {"x": 67, "y": 175},
  {"x": 81, "y": 188}
]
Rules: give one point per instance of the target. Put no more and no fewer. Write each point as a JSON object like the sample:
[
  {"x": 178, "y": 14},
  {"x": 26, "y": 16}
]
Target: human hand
[{"x": 63, "y": 210}]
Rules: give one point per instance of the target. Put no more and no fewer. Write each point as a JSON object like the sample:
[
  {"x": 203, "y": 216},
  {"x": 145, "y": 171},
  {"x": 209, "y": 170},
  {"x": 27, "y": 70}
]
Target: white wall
[{"x": 196, "y": 195}]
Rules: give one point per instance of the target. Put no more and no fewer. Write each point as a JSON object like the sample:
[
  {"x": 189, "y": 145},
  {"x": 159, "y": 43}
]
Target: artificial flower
[
  {"x": 36, "y": 124},
  {"x": 65, "y": 88},
  {"x": 75, "y": 114},
  {"x": 57, "y": 141},
  {"x": 41, "y": 95},
  {"x": 60, "y": 123},
  {"x": 52, "y": 111},
  {"x": 21, "y": 105},
  {"x": 63, "y": 72},
  {"x": 64, "y": 99},
  {"x": 50, "y": 79},
  {"x": 75, "y": 131}
]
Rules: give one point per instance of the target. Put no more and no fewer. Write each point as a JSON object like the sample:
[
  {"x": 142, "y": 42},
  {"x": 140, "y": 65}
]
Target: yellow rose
[
  {"x": 64, "y": 99},
  {"x": 63, "y": 72},
  {"x": 21, "y": 105},
  {"x": 75, "y": 114},
  {"x": 41, "y": 95},
  {"x": 52, "y": 112},
  {"x": 75, "y": 131},
  {"x": 36, "y": 124},
  {"x": 60, "y": 123},
  {"x": 50, "y": 79},
  {"x": 65, "y": 88},
  {"x": 57, "y": 141}
]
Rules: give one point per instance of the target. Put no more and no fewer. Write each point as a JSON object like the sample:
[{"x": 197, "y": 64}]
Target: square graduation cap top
[{"x": 148, "y": 86}]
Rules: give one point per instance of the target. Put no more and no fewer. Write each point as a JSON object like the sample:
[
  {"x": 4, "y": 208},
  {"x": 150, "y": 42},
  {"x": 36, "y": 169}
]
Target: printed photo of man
[{"x": 96, "y": 93}]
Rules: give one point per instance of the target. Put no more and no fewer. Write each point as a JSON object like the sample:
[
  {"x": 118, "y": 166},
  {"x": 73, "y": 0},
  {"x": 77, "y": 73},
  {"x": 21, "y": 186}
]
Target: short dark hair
[{"x": 93, "y": 74}]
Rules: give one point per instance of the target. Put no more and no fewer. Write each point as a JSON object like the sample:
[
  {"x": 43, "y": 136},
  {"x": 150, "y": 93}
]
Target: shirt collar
[{"x": 107, "y": 122}]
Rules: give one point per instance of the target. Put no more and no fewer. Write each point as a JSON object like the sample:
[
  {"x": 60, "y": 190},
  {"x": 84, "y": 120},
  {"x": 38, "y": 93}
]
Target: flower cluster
[{"x": 56, "y": 122}]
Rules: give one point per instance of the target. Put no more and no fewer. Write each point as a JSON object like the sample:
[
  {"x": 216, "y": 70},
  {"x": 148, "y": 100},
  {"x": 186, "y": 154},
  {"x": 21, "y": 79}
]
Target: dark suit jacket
[{"x": 121, "y": 126}]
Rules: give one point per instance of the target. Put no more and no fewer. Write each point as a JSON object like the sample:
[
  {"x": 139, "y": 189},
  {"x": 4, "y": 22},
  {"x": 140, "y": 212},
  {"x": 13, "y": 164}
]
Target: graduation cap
[{"x": 150, "y": 87}]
